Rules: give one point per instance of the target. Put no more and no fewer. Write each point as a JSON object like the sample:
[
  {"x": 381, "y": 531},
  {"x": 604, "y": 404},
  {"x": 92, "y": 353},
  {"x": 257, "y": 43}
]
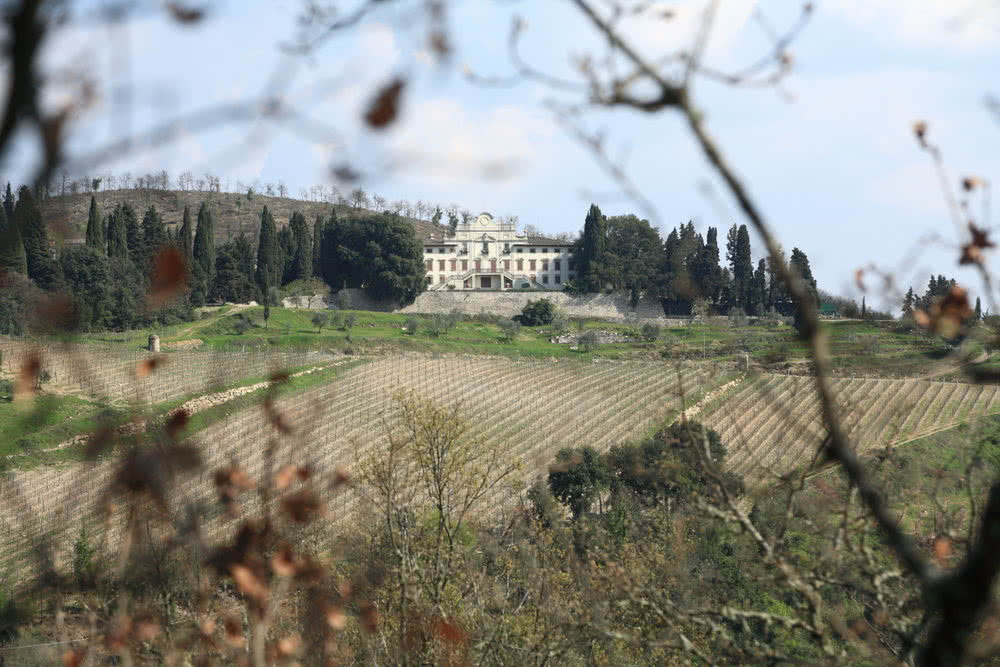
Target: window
[
  {"x": 430, "y": 265},
  {"x": 440, "y": 265},
  {"x": 545, "y": 249},
  {"x": 486, "y": 248},
  {"x": 430, "y": 279},
  {"x": 465, "y": 265},
  {"x": 555, "y": 265},
  {"x": 441, "y": 250},
  {"x": 428, "y": 250},
  {"x": 531, "y": 250},
  {"x": 441, "y": 278},
  {"x": 545, "y": 280},
  {"x": 479, "y": 265},
  {"x": 558, "y": 279},
  {"x": 506, "y": 265},
  {"x": 453, "y": 264},
  {"x": 531, "y": 264},
  {"x": 506, "y": 248},
  {"x": 569, "y": 265},
  {"x": 520, "y": 265},
  {"x": 545, "y": 265},
  {"x": 520, "y": 249}
]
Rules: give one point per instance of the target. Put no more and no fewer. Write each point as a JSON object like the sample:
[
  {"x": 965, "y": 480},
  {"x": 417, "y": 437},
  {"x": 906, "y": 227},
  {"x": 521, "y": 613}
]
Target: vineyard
[
  {"x": 531, "y": 408},
  {"x": 772, "y": 425},
  {"x": 114, "y": 373}
]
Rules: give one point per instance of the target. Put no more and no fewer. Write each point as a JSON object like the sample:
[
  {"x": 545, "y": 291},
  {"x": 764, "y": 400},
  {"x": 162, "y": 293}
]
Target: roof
[
  {"x": 828, "y": 308},
  {"x": 545, "y": 240}
]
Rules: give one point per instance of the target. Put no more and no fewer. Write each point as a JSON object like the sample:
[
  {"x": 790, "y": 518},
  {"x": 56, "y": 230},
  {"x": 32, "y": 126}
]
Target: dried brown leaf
[
  {"x": 233, "y": 630},
  {"x": 184, "y": 14},
  {"x": 289, "y": 645},
  {"x": 942, "y": 550},
  {"x": 303, "y": 507},
  {"x": 176, "y": 423},
  {"x": 284, "y": 562},
  {"x": 384, "y": 109},
  {"x": 146, "y": 367},
  {"x": 169, "y": 276},
  {"x": 248, "y": 582},
  {"x": 74, "y": 657},
  {"x": 369, "y": 617},
  {"x": 284, "y": 477},
  {"x": 99, "y": 441},
  {"x": 340, "y": 476},
  {"x": 24, "y": 384},
  {"x": 449, "y": 631},
  {"x": 335, "y": 618},
  {"x": 859, "y": 279}
]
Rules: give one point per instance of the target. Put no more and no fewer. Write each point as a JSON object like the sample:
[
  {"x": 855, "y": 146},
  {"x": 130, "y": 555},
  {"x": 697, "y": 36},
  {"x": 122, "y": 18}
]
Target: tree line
[{"x": 685, "y": 270}]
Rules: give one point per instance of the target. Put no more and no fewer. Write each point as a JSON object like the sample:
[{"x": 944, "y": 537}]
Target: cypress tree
[
  {"x": 28, "y": 219},
  {"x": 909, "y": 301},
  {"x": 268, "y": 253},
  {"x": 317, "y": 242},
  {"x": 592, "y": 252},
  {"x": 302, "y": 260},
  {"x": 95, "y": 235},
  {"x": 799, "y": 266},
  {"x": 117, "y": 237},
  {"x": 104, "y": 236},
  {"x": 978, "y": 313},
  {"x": 8, "y": 203},
  {"x": 133, "y": 233},
  {"x": 184, "y": 238},
  {"x": 286, "y": 244},
  {"x": 742, "y": 270},
  {"x": 864, "y": 308},
  {"x": 12, "y": 257},
  {"x": 154, "y": 236},
  {"x": 203, "y": 251},
  {"x": 758, "y": 291}
]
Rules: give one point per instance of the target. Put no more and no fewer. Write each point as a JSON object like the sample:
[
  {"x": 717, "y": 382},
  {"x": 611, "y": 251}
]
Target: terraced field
[
  {"x": 772, "y": 425},
  {"x": 532, "y": 408}
]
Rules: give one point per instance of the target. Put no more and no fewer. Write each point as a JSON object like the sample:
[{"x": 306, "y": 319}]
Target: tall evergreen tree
[
  {"x": 117, "y": 237},
  {"x": 909, "y": 302},
  {"x": 777, "y": 291},
  {"x": 286, "y": 243},
  {"x": 977, "y": 314},
  {"x": 8, "y": 202},
  {"x": 12, "y": 257},
  {"x": 742, "y": 267},
  {"x": 268, "y": 254},
  {"x": 95, "y": 234},
  {"x": 42, "y": 268},
  {"x": 184, "y": 238},
  {"x": 591, "y": 254},
  {"x": 864, "y": 308},
  {"x": 243, "y": 253},
  {"x": 154, "y": 237},
  {"x": 104, "y": 235},
  {"x": 799, "y": 266},
  {"x": 302, "y": 261},
  {"x": 317, "y": 242},
  {"x": 758, "y": 291},
  {"x": 203, "y": 250},
  {"x": 133, "y": 233}
]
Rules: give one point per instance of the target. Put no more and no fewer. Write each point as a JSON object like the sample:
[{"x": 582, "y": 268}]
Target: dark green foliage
[
  {"x": 758, "y": 290},
  {"x": 12, "y": 256},
  {"x": 412, "y": 324},
  {"x": 799, "y": 266},
  {"x": 577, "y": 477},
  {"x": 85, "y": 562},
  {"x": 19, "y": 298},
  {"x": 509, "y": 329},
  {"x": 243, "y": 253},
  {"x": 95, "y": 232},
  {"x": 8, "y": 202},
  {"x": 320, "y": 320},
  {"x": 741, "y": 267},
  {"x": 286, "y": 244},
  {"x": 317, "y": 242},
  {"x": 88, "y": 275},
  {"x": 302, "y": 259},
  {"x": 42, "y": 268},
  {"x": 537, "y": 313},
  {"x": 977, "y": 314},
  {"x": 673, "y": 464},
  {"x": 117, "y": 238},
  {"x": 269, "y": 266},
  {"x": 590, "y": 250},
  {"x": 650, "y": 332},
  {"x": 232, "y": 284},
  {"x": 379, "y": 253},
  {"x": 184, "y": 242},
  {"x": 203, "y": 250},
  {"x": 154, "y": 237},
  {"x": 133, "y": 235},
  {"x": 126, "y": 309}
]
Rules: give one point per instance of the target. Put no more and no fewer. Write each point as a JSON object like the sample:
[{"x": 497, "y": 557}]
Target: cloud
[{"x": 969, "y": 25}]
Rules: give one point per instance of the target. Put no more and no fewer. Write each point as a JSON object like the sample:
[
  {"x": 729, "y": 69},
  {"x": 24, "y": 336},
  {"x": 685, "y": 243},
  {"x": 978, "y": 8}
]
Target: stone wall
[{"x": 608, "y": 306}]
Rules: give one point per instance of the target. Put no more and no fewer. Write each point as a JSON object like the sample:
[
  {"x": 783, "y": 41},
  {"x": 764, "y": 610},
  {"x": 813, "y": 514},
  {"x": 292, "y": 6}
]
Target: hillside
[{"x": 232, "y": 212}]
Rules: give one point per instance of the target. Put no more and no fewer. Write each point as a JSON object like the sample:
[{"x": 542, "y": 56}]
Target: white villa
[{"x": 486, "y": 254}]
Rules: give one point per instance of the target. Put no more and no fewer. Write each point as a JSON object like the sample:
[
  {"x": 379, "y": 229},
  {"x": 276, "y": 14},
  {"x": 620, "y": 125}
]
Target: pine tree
[
  {"x": 95, "y": 235},
  {"x": 268, "y": 254},
  {"x": 12, "y": 257},
  {"x": 909, "y": 301},
  {"x": 117, "y": 237},
  {"x": 42, "y": 268},
  {"x": 203, "y": 250},
  {"x": 317, "y": 242},
  {"x": 302, "y": 261},
  {"x": 184, "y": 239}
]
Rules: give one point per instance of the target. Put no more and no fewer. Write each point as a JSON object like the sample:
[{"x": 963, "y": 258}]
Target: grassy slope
[{"x": 231, "y": 212}]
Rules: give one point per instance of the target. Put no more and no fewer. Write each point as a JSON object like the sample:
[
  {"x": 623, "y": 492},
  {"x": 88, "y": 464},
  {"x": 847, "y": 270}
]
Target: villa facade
[{"x": 486, "y": 254}]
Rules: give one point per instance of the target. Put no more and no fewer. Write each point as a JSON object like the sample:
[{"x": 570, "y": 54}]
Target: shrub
[
  {"x": 587, "y": 341},
  {"x": 537, "y": 313},
  {"x": 412, "y": 324},
  {"x": 347, "y": 321},
  {"x": 342, "y": 300},
  {"x": 560, "y": 325},
  {"x": 650, "y": 332},
  {"x": 509, "y": 330},
  {"x": 84, "y": 561},
  {"x": 577, "y": 478},
  {"x": 320, "y": 320}
]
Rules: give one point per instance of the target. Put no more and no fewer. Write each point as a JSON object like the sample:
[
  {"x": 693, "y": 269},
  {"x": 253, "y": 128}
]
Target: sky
[{"x": 829, "y": 154}]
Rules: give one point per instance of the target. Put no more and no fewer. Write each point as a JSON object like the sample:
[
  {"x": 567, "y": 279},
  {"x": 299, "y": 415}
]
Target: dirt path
[
  {"x": 201, "y": 323},
  {"x": 950, "y": 366},
  {"x": 706, "y": 399}
]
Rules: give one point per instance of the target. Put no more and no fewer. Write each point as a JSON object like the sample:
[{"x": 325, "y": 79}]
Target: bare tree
[
  {"x": 359, "y": 198},
  {"x": 282, "y": 189}
]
